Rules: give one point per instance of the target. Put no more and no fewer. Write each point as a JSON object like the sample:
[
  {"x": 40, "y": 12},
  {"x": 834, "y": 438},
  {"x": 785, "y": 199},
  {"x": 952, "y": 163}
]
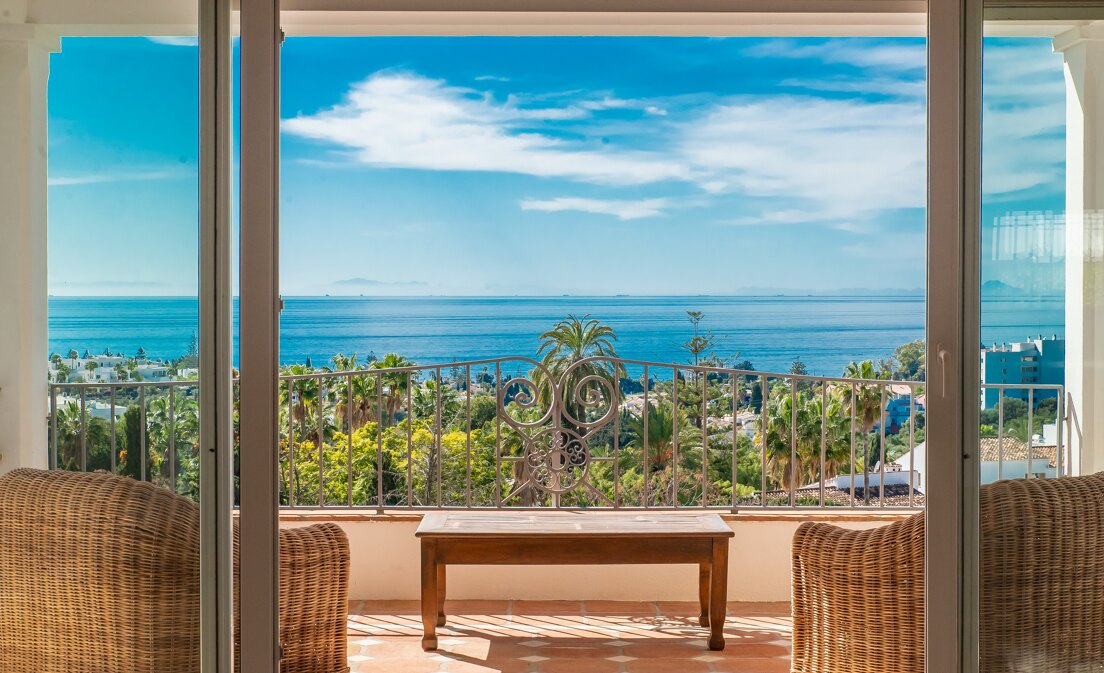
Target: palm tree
[
  {"x": 660, "y": 440},
  {"x": 867, "y": 401},
  {"x": 817, "y": 419},
  {"x": 571, "y": 341},
  {"x": 356, "y": 402},
  {"x": 394, "y": 383}
]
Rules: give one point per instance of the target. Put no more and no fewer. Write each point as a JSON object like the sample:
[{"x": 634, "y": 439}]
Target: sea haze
[{"x": 825, "y": 332}]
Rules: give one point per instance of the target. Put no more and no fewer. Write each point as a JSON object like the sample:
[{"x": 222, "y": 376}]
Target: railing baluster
[
  {"x": 912, "y": 443},
  {"x": 791, "y": 469},
  {"x": 53, "y": 428},
  {"x": 705, "y": 439},
  {"x": 293, "y": 486},
  {"x": 114, "y": 460},
  {"x": 440, "y": 458},
  {"x": 143, "y": 455},
  {"x": 409, "y": 439},
  {"x": 735, "y": 444},
  {"x": 854, "y": 391},
  {"x": 617, "y": 440},
  {"x": 349, "y": 406},
  {"x": 498, "y": 435},
  {"x": 1030, "y": 428},
  {"x": 823, "y": 437},
  {"x": 1059, "y": 421},
  {"x": 647, "y": 449},
  {"x": 882, "y": 446},
  {"x": 172, "y": 436},
  {"x": 321, "y": 442},
  {"x": 1000, "y": 433},
  {"x": 83, "y": 431},
  {"x": 674, "y": 438},
  {"x": 379, "y": 442},
  {"x": 467, "y": 405},
  {"x": 764, "y": 396}
]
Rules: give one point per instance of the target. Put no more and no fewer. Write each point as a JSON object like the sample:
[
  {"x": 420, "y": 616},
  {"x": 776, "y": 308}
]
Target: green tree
[
  {"x": 867, "y": 401},
  {"x": 395, "y": 383}
]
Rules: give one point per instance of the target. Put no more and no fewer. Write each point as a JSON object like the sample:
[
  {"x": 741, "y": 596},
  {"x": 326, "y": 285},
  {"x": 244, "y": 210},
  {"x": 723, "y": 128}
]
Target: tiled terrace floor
[{"x": 567, "y": 637}]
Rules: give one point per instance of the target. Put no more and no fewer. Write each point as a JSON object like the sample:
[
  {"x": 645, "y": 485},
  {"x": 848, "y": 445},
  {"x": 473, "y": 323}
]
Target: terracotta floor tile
[
  {"x": 567, "y": 649},
  {"x": 679, "y": 609},
  {"x": 748, "y": 608},
  {"x": 620, "y": 608},
  {"x": 488, "y": 666},
  {"x": 753, "y": 665},
  {"x": 578, "y": 666},
  {"x": 571, "y": 608},
  {"x": 667, "y": 666},
  {"x": 499, "y": 637},
  {"x": 465, "y": 607}
]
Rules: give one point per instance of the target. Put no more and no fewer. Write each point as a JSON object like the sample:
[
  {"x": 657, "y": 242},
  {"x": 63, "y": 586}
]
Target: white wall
[
  {"x": 385, "y": 565},
  {"x": 24, "y": 68}
]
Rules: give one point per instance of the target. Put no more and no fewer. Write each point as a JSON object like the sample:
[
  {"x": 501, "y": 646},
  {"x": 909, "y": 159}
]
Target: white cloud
[
  {"x": 108, "y": 176},
  {"x": 1024, "y": 118},
  {"x": 176, "y": 40},
  {"x": 859, "y": 52},
  {"x": 409, "y": 121},
  {"x": 621, "y": 209},
  {"x": 829, "y": 159}
]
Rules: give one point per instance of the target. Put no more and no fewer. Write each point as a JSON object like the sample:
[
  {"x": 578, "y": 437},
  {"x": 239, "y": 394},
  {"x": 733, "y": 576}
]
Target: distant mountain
[{"x": 1000, "y": 288}]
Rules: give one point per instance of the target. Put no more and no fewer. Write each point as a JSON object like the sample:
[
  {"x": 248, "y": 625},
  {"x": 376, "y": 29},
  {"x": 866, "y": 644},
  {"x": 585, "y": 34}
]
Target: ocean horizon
[{"x": 824, "y": 331}]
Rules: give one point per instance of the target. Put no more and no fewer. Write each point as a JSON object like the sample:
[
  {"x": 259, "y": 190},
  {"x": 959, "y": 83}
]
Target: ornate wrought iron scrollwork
[{"x": 556, "y": 447}]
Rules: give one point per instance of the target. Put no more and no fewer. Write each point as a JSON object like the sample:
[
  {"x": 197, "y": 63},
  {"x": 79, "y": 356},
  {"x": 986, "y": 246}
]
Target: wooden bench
[{"x": 565, "y": 538}]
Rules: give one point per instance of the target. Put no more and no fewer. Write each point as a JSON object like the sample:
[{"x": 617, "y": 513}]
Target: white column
[
  {"x": 24, "y": 70},
  {"x": 1083, "y": 49}
]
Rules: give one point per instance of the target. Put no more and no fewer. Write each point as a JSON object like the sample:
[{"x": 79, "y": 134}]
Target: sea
[{"x": 824, "y": 332}]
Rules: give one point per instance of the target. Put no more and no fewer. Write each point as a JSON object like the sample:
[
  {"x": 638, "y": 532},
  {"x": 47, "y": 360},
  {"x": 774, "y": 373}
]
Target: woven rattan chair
[
  {"x": 100, "y": 573},
  {"x": 858, "y": 596}
]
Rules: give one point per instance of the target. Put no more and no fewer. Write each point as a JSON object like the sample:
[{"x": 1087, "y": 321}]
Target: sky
[{"x": 547, "y": 166}]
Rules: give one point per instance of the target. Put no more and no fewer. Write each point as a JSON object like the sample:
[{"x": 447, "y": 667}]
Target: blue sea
[{"x": 825, "y": 332}]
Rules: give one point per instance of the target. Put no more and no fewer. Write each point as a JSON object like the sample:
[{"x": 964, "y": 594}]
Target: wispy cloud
[
  {"x": 176, "y": 40},
  {"x": 621, "y": 209},
  {"x": 831, "y": 159},
  {"x": 407, "y": 121},
  {"x": 1024, "y": 120},
  {"x": 859, "y": 52},
  {"x": 110, "y": 176}
]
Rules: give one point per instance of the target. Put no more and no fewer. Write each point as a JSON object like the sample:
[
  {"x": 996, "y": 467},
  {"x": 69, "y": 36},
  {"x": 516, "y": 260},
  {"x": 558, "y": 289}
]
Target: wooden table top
[{"x": 572, "y": 524}]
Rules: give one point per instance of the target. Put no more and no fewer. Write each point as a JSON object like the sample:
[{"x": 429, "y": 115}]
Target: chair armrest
[
  {"x": 858, "y": 598},
  {"x": 314, "y": 599}
]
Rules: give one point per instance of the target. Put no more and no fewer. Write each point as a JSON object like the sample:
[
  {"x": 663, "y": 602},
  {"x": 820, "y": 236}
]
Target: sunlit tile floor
[{"x": 567, "y": 637}]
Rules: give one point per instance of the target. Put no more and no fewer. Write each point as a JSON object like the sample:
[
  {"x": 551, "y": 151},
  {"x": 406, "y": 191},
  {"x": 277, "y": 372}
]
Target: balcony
[{"x": 509, "y": 433}]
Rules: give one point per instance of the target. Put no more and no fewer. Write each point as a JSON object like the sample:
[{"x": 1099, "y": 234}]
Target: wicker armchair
[
  {"x": 100, "y": 573},
  {"x": 858, "y": 596}
]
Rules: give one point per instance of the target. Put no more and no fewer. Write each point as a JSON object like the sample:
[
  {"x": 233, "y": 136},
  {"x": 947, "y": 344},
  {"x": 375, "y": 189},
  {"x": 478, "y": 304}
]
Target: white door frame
[
  {"x": 216, "y": 462},
  {"x": 259, "y": 336},
  {"x": 954, "y": 105}
]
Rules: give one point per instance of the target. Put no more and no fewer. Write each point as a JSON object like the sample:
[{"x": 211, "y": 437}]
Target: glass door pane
[
  {"x": 1042, "y": 272},
  {"x": 101, "y": 550}
]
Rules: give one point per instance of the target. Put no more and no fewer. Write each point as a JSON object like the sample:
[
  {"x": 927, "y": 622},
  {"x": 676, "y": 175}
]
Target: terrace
[{"x": 371, "y": 449}]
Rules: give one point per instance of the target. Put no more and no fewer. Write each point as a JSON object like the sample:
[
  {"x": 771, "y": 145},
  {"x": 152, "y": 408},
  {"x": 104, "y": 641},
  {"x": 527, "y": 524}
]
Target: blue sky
[{"x": 500, "y": 166}]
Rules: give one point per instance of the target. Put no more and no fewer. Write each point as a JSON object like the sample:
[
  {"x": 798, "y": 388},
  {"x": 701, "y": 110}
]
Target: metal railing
[{"x": 513, "y": 433}]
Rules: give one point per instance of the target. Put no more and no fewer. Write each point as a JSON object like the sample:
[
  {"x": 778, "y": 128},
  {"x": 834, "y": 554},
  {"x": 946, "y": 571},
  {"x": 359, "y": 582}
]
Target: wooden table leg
[
  {"x": 440, "y": 594},
  {"x": 429, "y": 595},
  {"x": 703, "y": 593},
  {"x": 718, "y": 593}
]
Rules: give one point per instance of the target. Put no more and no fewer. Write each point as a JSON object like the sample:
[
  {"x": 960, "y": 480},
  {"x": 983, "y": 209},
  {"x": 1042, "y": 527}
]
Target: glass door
[{"x": 1040, "y": 499}]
